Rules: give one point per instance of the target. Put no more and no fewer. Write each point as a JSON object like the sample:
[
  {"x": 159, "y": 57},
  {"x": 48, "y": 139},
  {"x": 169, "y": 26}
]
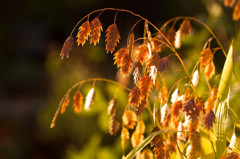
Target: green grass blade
[
  {"x": 144, "y": 143},
  {"x": 221, "y": 107}
]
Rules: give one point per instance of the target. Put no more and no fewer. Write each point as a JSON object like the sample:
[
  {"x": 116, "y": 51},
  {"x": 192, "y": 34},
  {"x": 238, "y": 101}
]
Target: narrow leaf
[
  {"x": 144, "y": 143},
  {"x": 221, "y": 107}
]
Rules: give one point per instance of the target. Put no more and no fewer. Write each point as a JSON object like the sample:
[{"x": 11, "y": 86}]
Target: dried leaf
[
  {"x": 67, "y": 47},
  {"x": 96, "y": 28},
  {"x": 185, "y": 27},
  {"x": 112, "y": 38},
  {"x": 83, "y": 33},
  {"x": 236, "y": 12},
  {"x": 77, "y": 101},
  {"x": 65, "y": 104}
]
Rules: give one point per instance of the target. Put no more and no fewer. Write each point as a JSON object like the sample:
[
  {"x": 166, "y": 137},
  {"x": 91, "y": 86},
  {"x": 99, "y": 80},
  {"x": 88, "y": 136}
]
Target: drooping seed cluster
[{"x": 181, "y": 113}]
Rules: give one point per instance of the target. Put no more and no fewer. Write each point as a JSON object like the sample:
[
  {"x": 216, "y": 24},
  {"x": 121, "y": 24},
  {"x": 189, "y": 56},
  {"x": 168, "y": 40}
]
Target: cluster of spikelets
[
  {"x": 181, "y": 113},
  {"x": 236, "y": 11}
]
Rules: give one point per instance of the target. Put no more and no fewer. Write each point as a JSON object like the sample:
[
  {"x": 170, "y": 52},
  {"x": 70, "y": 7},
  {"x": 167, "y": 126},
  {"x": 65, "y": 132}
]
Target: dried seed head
[
  {"x": 142, "y": 53},
  {"x": 187, "y": 95},
  {"x": 112, "y": 38},
  {"x": 67, "y": 47},
  {"x": 136, "y": 139},
  {"x": 129, "y": 119},
  {"x": 209, "y": 71},
  {"x": 135, "y": 97},
  {"x": 178, "y": 38},
  {"x": 236, "y": 12},
  {"x": 95, "y": 33},
  {"x": 229, "y": 3},
  {"x": 164, "y": 112},
  {"x": 163, "y": 95},
  {"x": 126, "y": 64},
  {"x": 171, "y": 35},
  {"x": 176, "y": 108},
  {"x": 118, "y": 56},
  {"x": 89, "y": 99},
  {"x": 141, "y": 106},
  {"x": 209, "y": 119},
  {"x": 153, "y": 61},
  {"x": 185, "y": 27},
  {"x": 124, "y": 136},
  {"x": 64, "y": 105},
  {"x": 158, "y": 145},
  {"x": 77, "y": 101},
  {"x": 137, "y": 73},
  {"x": 195, "y": 150},
  {"x": 210, "y": 102},
  {"x": 163, "y": 64},
  {"x": 181, "y": 136},
  {"x": 232, "y": 155},
  {"x": 175, "y": 96},
  {"x": 195, "y": 78},
  {"x": 114, "y": 124},
  {"x": 153, "y": 73},
  {"x": 84, "y": 33},
  {"x": 112, "y": 106},
  {"x": 158, "y": 43},
  {"x": 130, "y": 44},
  {"x": 206, "y": 57},
  {"x": 145, "y": 85},
  {"x": 146, "y": 154}
]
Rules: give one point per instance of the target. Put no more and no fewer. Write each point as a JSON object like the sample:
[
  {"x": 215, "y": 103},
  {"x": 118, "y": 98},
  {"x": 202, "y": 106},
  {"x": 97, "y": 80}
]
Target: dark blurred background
[{"x": 34, "y": 78}]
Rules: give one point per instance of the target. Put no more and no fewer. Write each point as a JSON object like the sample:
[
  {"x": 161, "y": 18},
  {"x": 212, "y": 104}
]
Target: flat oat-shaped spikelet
[
  {"x": 185, "y": 27},
  {"x": 229, "y": 3},
  {"x": 145, "y": 85},
  {"x": 126, "y": 64},
  {"x": 135, "y": 97},
  {"x": 64, "y": 105},
  {"x": 112, "y": 37},
  {"x": 83, "y": 34},
  {"x": 171, "y": 35},
  {"x": 67, "y": 47},
  {"x": 141, "y": 53},
  {"x": 89, "y": 99},
  {"x": 96, "y": 28},
  {"x": 129, "y": 119},
  {"x": 118, "y": 56},
  {"x": 158, "y": 145},
  {"x": 77, "y": 101},
  {"x": 236, "y": 12},
  {"x": 114, "y": 124}
]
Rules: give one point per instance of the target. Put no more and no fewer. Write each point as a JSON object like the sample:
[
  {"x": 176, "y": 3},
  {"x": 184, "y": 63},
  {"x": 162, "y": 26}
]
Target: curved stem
[{"x": 80, "y": 83}]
